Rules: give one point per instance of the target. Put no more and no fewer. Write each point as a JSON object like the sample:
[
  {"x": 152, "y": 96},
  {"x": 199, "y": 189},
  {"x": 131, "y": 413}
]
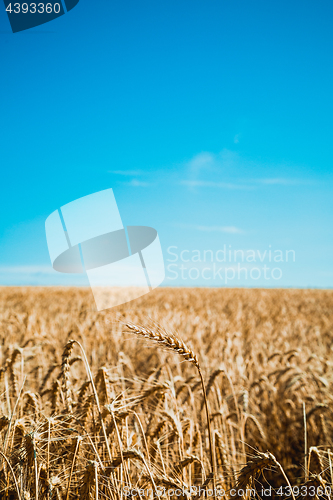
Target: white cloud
[
  {"x": 219, "y": 229},
  {"x": 129, "y": 173},
  {"x": 33, "y": 269},
  {"x": 215, "y": 166},
  {"x": 229, "y": 170},
  {"x": 212, "y": 229},
  {"x": 136, "y": 183},
  {"x": 224, "y": 170},
  {"x": 202, "y": 161},
  {"x": 39, "y": 275},
  {"x": 214, "y": 184},
  {"x": 281, "y": 181}
]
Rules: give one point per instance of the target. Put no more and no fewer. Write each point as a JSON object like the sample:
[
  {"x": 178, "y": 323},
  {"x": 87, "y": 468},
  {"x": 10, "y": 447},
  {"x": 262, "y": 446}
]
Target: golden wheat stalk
[
  {"x": 87, "y": 366},
  {"x": 13, "y": 474},
  {"x": 253, "y": 468},
  {"x": 65, "y": 372},
  {"x": 78, "y": 442},
  {"x": 170, "y": 341},
  {"x": 165, "y": 339}
]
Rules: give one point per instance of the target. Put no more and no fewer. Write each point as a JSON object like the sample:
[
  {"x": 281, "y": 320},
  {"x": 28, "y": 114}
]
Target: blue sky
[{"x": 211, "y": 121}]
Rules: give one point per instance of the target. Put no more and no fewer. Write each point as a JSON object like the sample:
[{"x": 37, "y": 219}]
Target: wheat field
[{"x": 111, "y": 404}]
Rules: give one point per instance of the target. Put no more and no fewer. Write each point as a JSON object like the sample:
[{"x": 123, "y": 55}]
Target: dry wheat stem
[
  {"x": 172, "y": 342},
  {"x": 12, "y": 415},
  {"x": 13, "y": 474},
  {"x": 96, "y": 397},
  {"x": 78, "y": 441}
]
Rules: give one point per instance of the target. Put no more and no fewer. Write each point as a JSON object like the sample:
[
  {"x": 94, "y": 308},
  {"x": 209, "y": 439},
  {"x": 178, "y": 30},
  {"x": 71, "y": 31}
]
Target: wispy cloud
[
  {"x": 220, "y": 229},
  {"x": 137, "y": 183},
  {"x": 201, "y": 161},
  {"x": 127, "y": 173},
  {"x": 210, "y": 170},
  {"x": 224, "y": 170},
  {"x": 214, "y": 184},
  {"x": 39, "y": 275},
  {"x": 281, "y": 181},
  {"x": 229, "y": 170},
  {"x": 212, "y": 229},
  {"x": 33, "y": 269}
]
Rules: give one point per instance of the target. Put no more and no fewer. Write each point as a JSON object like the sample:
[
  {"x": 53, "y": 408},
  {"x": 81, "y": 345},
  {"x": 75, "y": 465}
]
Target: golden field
[{"x": 90, "y": 409}]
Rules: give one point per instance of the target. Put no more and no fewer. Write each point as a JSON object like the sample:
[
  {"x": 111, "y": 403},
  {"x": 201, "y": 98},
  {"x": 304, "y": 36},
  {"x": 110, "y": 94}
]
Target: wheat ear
[
  {"x": 65, "y": 372},
  {"x": 254, "y": 467},
  {"x": 165, "y": 339},
  {"x": 170, "y": 341}
]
